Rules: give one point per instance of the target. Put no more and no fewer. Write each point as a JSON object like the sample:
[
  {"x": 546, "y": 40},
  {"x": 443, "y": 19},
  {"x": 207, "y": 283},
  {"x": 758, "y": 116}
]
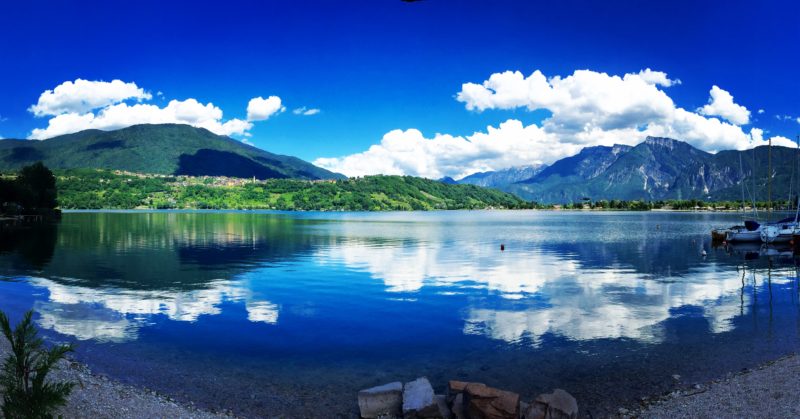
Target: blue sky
[{"x": 375, "y": 66}]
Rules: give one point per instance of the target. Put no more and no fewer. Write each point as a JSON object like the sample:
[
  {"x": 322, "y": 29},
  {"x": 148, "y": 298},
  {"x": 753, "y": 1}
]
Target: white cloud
[
  {"x": 82, "y": 96},
  {"x": 721, "y": 104},
  {"x": 657, "y": 78},
  {"x": 760, "y": 111},
  {"x": 757, "y": 134},
  {"x": 260, "y": 109},
  {"x": 587, "y": 108},
  {"x": 305, "y": 111},
  {"x": 410, "y": 153},
  {"x": 189, "y": 111},
  {"x": 82, "y": 104},
  {"x": 798, "y": 120}
]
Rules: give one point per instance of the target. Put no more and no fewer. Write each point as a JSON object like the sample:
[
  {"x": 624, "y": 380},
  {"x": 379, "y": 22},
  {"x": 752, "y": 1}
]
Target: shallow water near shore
[{"x": 292, "y": 313}]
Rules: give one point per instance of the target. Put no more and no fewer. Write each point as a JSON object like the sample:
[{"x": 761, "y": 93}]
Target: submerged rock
[
  {"x": 556, "y": 405},
  {"x": 381, "y": 401},
  {"x": 484, "y": 402}
]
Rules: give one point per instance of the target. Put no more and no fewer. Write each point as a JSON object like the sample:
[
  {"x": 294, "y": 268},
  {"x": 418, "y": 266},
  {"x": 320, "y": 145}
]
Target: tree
[
  {"x": 40, "y": 183},
  {"x": 28, "y": 394}
]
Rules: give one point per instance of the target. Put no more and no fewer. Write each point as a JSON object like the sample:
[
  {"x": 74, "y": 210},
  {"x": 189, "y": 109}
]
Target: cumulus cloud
[
  {"x": 120, "y": 115},
  {"x": 82, "y": 96},
  {"x": 760, "y": 111},
  {"x": 587, "y": 108},
  {"x": 305, "y": 111},
  {"x": 721, "y": 104},
  {"x": 260, "y": 109},
  {"x": 83, "y": 104},
  {"x": 409, "y": 152}
]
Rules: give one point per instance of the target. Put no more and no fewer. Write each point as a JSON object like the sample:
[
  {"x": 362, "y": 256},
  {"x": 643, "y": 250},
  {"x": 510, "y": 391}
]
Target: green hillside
[
  {"x": 95, "y": 189},
  {"x": 168, "y": 149}
]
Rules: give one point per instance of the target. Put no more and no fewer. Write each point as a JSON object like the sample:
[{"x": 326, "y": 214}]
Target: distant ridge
[
  {"x": 656, "y": 169},
  {"x": 169, "y": 149},
  {"x": 498, "y": 178}
]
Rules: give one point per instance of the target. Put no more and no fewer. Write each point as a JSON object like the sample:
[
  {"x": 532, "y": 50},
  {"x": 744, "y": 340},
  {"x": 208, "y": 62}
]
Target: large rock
[
  {"x": 419, "y": 401},
  {"x": 556, "y": 405},
  {"x": 444, "y": 410},
  {"x": 454, "y": 388},
  {"x": 562, "y": 405},
  {"x": 381, "y": 401},
  {"x": 484, "y": 402},
  {"x": 459, "y": 410}
]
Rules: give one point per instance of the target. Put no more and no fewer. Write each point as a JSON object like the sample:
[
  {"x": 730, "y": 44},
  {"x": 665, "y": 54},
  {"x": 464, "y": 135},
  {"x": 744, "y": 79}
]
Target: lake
[{"x": 292, "y": 313}]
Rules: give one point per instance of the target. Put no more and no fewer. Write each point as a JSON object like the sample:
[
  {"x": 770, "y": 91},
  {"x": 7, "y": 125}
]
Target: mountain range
[
  {"x": 169, "y": 149},
  {"x": 656, "y": 169}
]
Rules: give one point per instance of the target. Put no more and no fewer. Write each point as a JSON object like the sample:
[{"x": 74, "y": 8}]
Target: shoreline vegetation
[
  {"x": 99, "y": 396},
  {"x": 95, "y": 189}
]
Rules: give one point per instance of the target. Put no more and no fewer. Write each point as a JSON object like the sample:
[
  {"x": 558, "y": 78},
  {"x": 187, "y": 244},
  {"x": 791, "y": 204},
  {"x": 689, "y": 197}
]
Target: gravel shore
[
  {"x": 767, "y": 391},
  {"x": 97, "y": 397}
]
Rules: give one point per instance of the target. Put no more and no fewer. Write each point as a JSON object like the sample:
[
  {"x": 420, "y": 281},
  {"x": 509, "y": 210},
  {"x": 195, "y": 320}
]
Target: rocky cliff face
[
  {"x": 504, "y": 177},
  {"x": 661, "y": 168}
]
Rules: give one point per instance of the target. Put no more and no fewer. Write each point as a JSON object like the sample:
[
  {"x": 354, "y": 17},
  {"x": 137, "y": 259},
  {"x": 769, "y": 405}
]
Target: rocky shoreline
[{"x": 768, "y": 390}]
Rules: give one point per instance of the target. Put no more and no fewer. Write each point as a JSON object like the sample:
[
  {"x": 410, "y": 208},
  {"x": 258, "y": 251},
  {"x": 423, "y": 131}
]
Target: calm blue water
[{"x": 291, "y": 313}]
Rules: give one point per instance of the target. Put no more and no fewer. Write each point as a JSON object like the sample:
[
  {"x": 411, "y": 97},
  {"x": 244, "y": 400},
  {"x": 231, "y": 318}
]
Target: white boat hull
[
  {"x": 779, "y": 234},
  {"x": 743, "y": 236}
]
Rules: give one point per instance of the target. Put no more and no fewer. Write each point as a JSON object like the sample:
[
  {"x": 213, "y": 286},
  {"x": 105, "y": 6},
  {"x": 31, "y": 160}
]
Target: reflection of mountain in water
[{"x": 110, "y": 270}]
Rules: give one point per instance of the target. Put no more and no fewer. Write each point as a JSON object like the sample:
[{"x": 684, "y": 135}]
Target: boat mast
[
  {"x": 753, "y": 175},
  {"x": 742, "y": 181},
  {"x": 769, "y": 181},
  {"x": 797, "y": 212}
]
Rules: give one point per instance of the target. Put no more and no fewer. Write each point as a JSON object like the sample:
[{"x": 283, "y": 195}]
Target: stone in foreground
[
  {"x": 562, "y": 405},
  {"x": 444, "y": 410},
  {"x": 484, "y": 402},
  {"x": 556, "y": 405},
  {"x": 459, "y": 410},
  {"x": 419, "y": 401},
  {"x": 454, "y": 388},
  {"x": 381, "y": 401}
]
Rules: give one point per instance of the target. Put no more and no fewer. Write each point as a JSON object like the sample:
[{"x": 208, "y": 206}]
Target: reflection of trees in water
[
  {"x": 109, "y": 271},
  {"x": 28, "y": 248},
  {"x": 160, "y": 250}
]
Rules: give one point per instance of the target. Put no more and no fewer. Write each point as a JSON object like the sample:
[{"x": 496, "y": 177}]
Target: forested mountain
[{"x": 168, "y": 149}]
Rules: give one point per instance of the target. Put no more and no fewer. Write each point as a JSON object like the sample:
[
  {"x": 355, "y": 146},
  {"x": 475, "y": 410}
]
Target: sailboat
[
  {"x": 784, "y": 230},
  {"x": 751, "y": 230}
]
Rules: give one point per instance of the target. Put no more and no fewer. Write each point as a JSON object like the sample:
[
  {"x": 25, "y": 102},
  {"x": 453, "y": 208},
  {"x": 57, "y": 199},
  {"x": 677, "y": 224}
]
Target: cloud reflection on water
[
  {"x": 544, "y": 292},
  {"x": 115, "y": 315}
]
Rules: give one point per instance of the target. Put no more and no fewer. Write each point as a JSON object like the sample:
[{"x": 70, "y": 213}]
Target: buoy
[{"x": 502, "y": 247}]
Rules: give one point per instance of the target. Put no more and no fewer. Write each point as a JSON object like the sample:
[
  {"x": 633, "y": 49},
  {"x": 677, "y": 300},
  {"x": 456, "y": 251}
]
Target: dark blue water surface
[{"x": 270, "y": 313}]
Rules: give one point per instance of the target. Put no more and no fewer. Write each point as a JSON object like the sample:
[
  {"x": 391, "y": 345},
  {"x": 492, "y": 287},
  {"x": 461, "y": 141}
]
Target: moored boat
[{"x": 749, "y": 232}]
